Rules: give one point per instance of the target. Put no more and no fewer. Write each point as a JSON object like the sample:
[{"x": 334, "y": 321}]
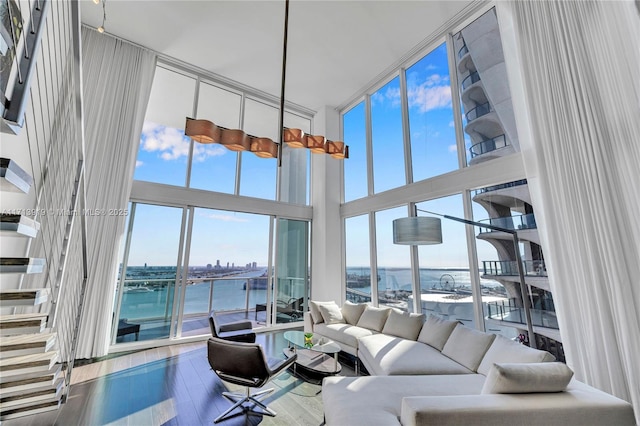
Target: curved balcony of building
[
  {"x": 509, "y": 268},
  {"x": 474, "y": 94},
  {"x": 506, "y": 312},
  {"x": 472, "y": 78},
  {"x": 510, "y": 194},
  {"x": 529, "y": 235},
  {"x": 463, "y": 51},
  {"x": 466, "y": 64},
  {"x": 488, "y": 123},
  {"x": 524, "y": 221},
  {"x": 488, "y": 145},
  {"x": 507, "y": 271},
  {"x": 478, "y": 111}
]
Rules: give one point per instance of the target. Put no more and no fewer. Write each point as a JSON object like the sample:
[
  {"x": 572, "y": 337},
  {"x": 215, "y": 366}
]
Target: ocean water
[
  {"x": 230, "y": 294},
  {"x": 400, "y": 279}
]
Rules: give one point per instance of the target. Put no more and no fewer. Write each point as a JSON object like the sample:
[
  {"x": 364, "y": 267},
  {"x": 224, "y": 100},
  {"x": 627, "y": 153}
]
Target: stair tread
[
  {"x": 26, "y": 338},
  {"x": 19, "y": 224},
  {"x": 24, "y": 359},
  {"x": 23, "y": 291},
  {"x": 27, "y": 377},
  {"x": 22, "y": 317},
  {"x": 31, "y": 409},
  {"x": 23, "y": 265}
]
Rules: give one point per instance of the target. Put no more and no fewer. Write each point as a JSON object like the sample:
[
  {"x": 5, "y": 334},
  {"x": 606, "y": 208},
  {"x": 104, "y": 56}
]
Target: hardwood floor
[{"x": 174, "y": 385}]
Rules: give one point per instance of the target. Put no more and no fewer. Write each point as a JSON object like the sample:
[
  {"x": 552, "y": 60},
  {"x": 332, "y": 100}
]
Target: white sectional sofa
[{"x": 442, "y": 372}]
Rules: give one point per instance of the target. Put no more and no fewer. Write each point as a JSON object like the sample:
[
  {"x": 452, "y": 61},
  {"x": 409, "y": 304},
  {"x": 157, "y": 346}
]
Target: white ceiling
[{"x": 335, "y": 48}]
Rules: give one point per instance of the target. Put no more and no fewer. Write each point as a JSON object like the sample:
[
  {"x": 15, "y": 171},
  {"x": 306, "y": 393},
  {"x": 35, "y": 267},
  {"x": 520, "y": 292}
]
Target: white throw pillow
[
  {"x": 467, "y": 346},
  {"x": 331, "y": 313},
  {"x": 351, "y": 311},
  {"x": 403, "y": 324},
  {"x": 373, "y": 318},
  {"x": 506, "y": 350},
  {"x": 436, "y": 331},
  {"x": 316, "y": 316},
  {"x": 531, "y": 377}
]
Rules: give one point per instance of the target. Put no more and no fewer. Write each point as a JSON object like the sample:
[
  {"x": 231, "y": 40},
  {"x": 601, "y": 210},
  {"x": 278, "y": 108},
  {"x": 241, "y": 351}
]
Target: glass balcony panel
[
  {"x": 478, "y": 111},
  {"x": 463, "y": 51},
  {"x": 470, "y": 79},
  {"x": 499, "y": 187},
  {"x": 510, "y": 267},
  {"x": 488, "y": 146}
]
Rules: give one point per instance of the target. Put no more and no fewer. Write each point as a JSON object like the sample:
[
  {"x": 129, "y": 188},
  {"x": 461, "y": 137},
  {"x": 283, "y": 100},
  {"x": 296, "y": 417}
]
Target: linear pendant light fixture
[{"x": 205, "y": 131}]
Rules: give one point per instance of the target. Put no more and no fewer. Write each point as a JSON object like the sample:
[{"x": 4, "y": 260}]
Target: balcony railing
[
  {"x": 525, "y": 221},
  {"x": 508, "y": 312},
  {"x": 463, "y": 51},
  {"x": 532, "y": 268},
  {"x": 478, "y": 111},
  {"x": 488, "y": 145},
  {"x": 470, "y": 79},
  {"x": 501, "y": 186}
]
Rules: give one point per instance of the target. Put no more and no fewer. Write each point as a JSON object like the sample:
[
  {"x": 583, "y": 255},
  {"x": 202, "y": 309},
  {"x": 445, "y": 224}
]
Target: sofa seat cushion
[
  {"x": 345, "y": 335},
  {"x": 506, "y": 350},
  {"x": 377, "y": 400},
  {"x": 385, "y": 355}
]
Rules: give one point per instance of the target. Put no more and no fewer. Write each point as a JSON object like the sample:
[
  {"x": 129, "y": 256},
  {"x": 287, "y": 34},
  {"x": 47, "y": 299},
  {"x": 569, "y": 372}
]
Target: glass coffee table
[{"x": 313, "y": 356}]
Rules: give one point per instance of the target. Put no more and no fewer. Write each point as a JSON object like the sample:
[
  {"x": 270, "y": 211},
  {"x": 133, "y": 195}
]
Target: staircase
[
  {"x": 31, "y": 375},
  {"x": 31, "y": 379}
]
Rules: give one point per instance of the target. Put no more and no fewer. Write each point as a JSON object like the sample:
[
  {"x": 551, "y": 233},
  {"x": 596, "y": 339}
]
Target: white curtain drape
[
  {"x": 574, "y": 70},
  {"x": 117, "y": 79}
]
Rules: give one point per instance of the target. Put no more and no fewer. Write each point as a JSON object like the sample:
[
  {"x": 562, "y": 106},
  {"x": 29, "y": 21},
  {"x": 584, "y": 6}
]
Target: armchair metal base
[{"x": 241, "y": 399}]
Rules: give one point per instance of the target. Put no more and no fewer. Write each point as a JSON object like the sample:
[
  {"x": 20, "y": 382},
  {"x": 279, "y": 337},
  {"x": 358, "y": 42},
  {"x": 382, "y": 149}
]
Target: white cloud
[
  {"x": 453, "y": 148},
  {"x": 429, "y": 97},
  {"x": 451, "y": 123},
  {"x": 139, "y": 163},
  {"x": 171, "y": 144}
]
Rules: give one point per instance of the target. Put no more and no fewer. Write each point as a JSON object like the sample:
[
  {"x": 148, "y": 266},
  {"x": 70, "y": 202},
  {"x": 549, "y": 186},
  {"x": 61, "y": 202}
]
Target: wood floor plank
[{"x": 174, "y": 385}]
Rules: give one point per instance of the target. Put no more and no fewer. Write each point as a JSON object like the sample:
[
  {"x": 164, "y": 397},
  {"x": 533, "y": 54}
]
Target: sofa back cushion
[
  {"x": 505, "y": 350},
  {"x": 436, "y": 331},
  {"x": 316, "y": 316},
  {"x": 467, "y": 346},
  {"x": 403, "y": 324},
  {"x": 531, "y": 377},
  {"x": 351, "y": 312},
  {"x": 373, "y": 318},
  {"x": 331, "y": 313}
]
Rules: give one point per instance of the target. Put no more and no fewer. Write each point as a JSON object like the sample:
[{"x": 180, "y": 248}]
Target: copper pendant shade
[
  {"x": 295, "y": 138},
  {"x": 337, "y": 150},
  {"x": 204, "y": 131},
  {"x": 316, "y": 144},
  {"x": 264, "y": 147}
]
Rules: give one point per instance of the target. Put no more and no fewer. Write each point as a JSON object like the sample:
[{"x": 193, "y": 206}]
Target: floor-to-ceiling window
[
  {"x": 207, "y": 223},
  {"x": 393, "y": 262},
  {"x": 414, "y": 126},
  {"x": 145, "y": 295},
  {"x": 358, "y": 259},
  {"x": 431, "y": 125},
  {"x": 387, "y": 141},
  {"x": 228, "y": 260}
]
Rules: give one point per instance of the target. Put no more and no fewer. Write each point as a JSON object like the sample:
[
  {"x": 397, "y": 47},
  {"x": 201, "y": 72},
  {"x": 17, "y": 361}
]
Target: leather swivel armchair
[
  {"x": 239, "y": 331},
  {"x": 244, "y": 364}
]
